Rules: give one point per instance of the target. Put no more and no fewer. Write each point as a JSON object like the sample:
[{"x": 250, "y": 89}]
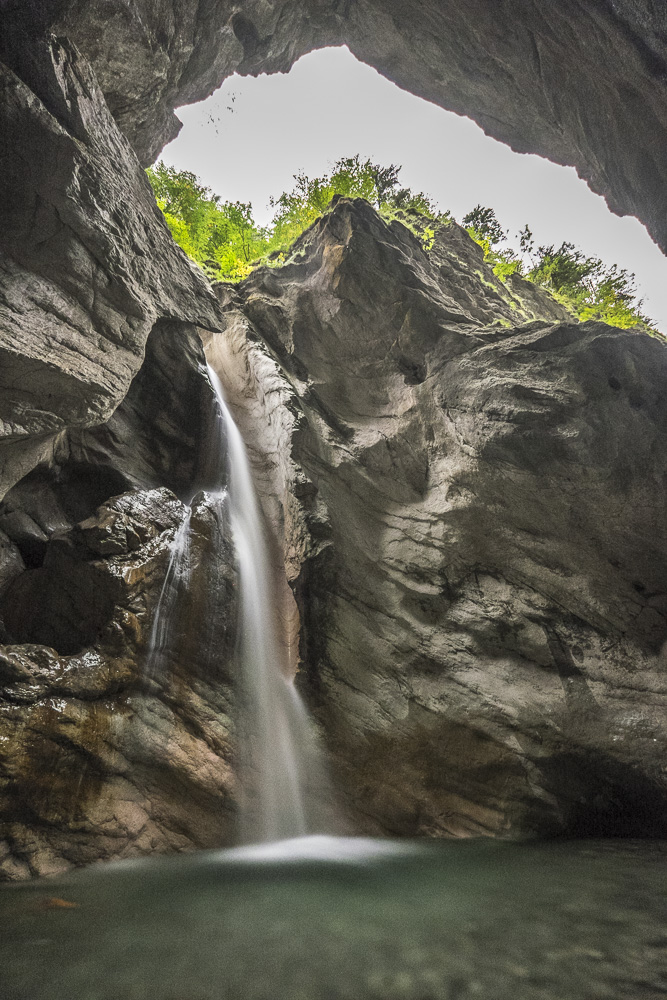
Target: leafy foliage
[
  {"x": 585, "y": 285},
  {"x": 223, "y": 238},
  {"x": 351, "y": 177},
  {"x": 483, "y": 222}
]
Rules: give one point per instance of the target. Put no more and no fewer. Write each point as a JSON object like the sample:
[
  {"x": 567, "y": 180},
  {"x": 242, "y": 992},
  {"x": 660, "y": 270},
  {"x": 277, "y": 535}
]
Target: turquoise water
[{"x": 326, "y": 918}]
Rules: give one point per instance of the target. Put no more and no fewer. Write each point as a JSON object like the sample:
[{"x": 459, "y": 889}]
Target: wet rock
[
  {"x": 159, "y": 435},
  {"x": 483, "y": 618},
  {"x": 101, "y": 756},
  {"x": 11, "y": 563}
]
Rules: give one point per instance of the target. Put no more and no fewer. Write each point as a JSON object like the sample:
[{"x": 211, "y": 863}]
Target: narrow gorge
[{"x": 461, "y": 487}]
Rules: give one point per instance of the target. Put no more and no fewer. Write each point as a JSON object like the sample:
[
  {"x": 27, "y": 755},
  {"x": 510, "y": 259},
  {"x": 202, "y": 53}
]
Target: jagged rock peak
[{"x": 484, "y": 617}]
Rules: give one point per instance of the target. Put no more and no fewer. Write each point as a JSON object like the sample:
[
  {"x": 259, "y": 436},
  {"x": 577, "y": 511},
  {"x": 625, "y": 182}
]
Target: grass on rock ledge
[{"x": 223, "y": 238}]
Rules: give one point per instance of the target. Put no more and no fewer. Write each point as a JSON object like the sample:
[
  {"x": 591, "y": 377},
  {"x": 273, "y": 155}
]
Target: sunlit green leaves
[
  {"x": 223, "y": 238},
  {"x": 585, "y": 285}
]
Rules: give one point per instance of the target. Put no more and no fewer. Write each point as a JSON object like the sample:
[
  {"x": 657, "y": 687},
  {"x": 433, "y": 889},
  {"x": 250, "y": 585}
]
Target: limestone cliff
[
  {"x": 102, "y": 752},
  {"x": 473, "y": 517},
  {"x": 88, "y": 265},
  {"x": 466, "y": 487},
  {"x": 579, "y": 81}
]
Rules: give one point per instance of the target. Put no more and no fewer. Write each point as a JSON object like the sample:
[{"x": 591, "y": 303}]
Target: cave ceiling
[{"x": 581, "y": 82}]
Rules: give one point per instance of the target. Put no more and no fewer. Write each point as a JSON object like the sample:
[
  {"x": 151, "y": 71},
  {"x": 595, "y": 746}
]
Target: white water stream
[
  {"x": 280, "y": 751},
  {"x": 176, "y": 579},
  {"x": 279, "y": 734}
]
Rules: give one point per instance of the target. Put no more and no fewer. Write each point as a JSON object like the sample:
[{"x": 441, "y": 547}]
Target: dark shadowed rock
[
  {"x": 160, "y": 433},
  {"x": 108, "y": 749},
  {"x": 103, "y": 755},
  {"x": 473, "y": 518}
]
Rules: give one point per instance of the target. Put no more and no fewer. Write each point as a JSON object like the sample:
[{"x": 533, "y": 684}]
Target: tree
[
  {"x": 223, "y": 238},
  {"x": 484, "y": 224}
]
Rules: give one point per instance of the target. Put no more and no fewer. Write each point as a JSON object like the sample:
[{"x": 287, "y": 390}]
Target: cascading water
[
  {"x": 283, "y": 751},
  {"x": 281, "y": 754},
  {"x": 176, "y": 579}
]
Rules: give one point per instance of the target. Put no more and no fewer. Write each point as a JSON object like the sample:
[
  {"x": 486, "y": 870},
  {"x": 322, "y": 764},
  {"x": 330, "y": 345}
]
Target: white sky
[{"x": 249, "y": 138}]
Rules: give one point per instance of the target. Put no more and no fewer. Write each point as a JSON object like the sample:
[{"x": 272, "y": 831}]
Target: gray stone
[
  {"x": 158, "y": 436},
  {"x": 88, "y": 264},
  {"x": 473, "y": 520},
  {"x": 578, "y": 81},
  {"x": 11, "y": 562},
  {"x": 100, "y": 756}
]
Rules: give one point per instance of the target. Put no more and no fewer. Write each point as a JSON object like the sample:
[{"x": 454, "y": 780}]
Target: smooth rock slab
[{"x": 87, "y": 262}]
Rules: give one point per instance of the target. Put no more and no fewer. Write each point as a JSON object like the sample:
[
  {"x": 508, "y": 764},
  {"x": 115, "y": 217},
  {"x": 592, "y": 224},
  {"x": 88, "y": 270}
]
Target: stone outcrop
[
  {"x": 108, "y": 749},
  {"x": 473, "y": 519},
  {"x": 159, "y": 435},
  {"x": 579, "y": 81},
  {"x": 88, "y": 265},
  {"x": 104, "y": 751},
  {"x": 466, "y": 490}
]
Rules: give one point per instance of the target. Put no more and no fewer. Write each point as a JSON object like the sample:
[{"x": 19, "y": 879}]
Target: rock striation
[
  {"x": 105, "y": 750},
  {"x": 473, "y": 520},
  {"x": 88, "y": 266},
  {"x": 466, "y": 486}
]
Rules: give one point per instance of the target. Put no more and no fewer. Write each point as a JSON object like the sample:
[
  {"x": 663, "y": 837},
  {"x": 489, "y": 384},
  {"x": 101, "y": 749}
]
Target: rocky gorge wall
[
  {"x": 473, "y": 497},
  {"x": 581, "y": 82},
  {"x": 466, "y": 488}
]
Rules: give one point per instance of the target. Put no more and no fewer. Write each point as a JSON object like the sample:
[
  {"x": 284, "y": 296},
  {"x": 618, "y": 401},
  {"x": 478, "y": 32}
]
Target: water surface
[{"x": 323, "y": 918}]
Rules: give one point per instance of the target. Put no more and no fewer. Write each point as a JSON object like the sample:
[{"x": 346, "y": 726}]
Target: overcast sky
[{"x": 249, "y": 138}]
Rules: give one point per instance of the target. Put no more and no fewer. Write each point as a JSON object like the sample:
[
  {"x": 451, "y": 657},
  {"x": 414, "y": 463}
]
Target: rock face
[
  {"x": 473, "y": 519},
  {"x": 101, "y": 757},
  {"x": 579, "y": 81},
  {"x": 108, "y": 749},
  {"x": 467, "y": 488},
  {"x": 88, "y": 265}
]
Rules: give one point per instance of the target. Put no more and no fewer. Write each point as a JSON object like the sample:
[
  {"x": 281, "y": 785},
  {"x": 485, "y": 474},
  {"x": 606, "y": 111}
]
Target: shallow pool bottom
[{"x": 323, "y": 918}]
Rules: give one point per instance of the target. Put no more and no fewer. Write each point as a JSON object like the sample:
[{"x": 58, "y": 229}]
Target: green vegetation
[
  {"x": 586, "y": 286},
  {"x": 223, "y": 238},
  {"x": 220, "y": 236}
]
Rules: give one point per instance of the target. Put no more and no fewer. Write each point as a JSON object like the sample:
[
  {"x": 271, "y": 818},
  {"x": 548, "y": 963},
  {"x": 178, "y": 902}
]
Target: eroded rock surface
[
  {"x": 105, "y": 751},
  {"x": 579, "y": 81},
  {"x": 473, "y": 517},
  {"x": 112, "y": 743},
  {"x": 87, "y": 266},
  {"x": 160, "y": 434}
]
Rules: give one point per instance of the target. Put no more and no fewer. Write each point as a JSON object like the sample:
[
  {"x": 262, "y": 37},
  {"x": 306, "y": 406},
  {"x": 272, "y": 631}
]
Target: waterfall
[
  {"x": 283, "y": 754},
  {"x": 177, "y": 578}
]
